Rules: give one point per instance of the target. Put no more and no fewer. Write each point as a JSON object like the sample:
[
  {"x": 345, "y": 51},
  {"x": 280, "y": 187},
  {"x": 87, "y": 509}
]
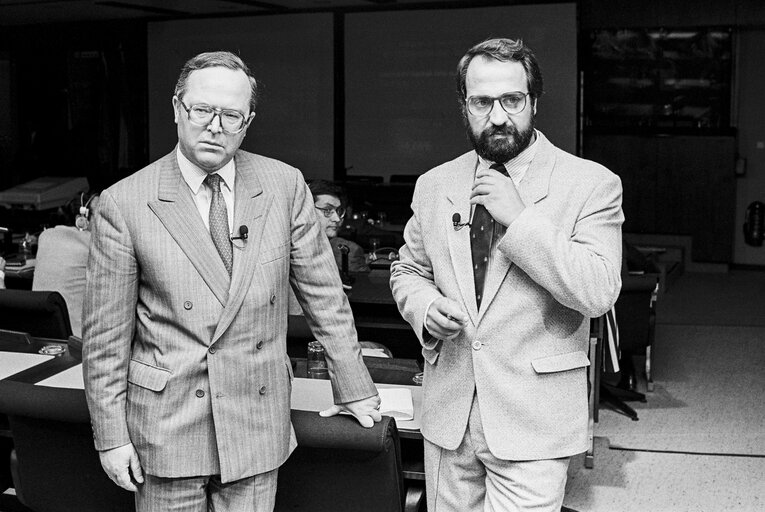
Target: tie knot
[
  {"x": 501, "y": 168},
  {"x": 213, "y": 181}
]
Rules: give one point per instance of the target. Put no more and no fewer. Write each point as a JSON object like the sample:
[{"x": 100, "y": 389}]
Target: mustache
[{"x": 504, "y": 130}]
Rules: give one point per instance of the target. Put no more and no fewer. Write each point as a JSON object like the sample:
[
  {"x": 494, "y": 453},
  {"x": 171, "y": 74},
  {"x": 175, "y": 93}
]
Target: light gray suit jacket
[
  {"x": 525, "y": 352},
  {"x": 189, "y": 365}
]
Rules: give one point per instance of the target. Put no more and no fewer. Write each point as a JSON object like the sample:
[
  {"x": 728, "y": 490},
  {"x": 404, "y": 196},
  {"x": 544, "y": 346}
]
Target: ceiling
[{"x": 25, "y": 12}]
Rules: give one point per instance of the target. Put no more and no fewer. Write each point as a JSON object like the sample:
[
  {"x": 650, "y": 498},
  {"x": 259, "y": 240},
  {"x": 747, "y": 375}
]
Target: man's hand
[
  {"x": 445, "y": 319},
  {"x": 498, "y": 194},
  {"x": 366, "y": 410},
  {"x": 119, "y": 463}
]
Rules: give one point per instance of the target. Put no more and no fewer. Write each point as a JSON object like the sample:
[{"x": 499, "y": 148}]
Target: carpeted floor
[
  {"x": 709, "y": 396},
  {"x": 699, "y": 445}
]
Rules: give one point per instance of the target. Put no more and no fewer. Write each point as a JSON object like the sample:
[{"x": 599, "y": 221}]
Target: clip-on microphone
[
  {"x": 456, "y": 217},
  {"x": 243, "y": 233}
]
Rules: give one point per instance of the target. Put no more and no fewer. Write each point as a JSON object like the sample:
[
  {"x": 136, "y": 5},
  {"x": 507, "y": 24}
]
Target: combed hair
[{"x": 217, "y": 59}]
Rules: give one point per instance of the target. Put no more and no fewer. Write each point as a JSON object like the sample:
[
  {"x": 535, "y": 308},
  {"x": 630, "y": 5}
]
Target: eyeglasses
[
  {"x": 511, "y": 102},
  {"x": 329, "y": 210},
  {"x": 232, "y": 121}
]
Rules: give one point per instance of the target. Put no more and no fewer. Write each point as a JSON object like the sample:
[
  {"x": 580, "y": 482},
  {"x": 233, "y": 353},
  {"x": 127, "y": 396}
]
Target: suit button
[
  {"x": 259, "y": 344},
  {"x": 476, "y": 345},
  {"x": 188, "y": 305},
  {"x": 262, "y": 390},
  {"x": 200, "y": 393},
  {"x": 273, "y": 298},
  {"x": 211, "y": 350}
]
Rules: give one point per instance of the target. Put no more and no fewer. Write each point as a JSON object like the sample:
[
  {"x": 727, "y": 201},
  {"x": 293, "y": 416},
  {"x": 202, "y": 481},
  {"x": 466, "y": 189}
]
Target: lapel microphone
[
  {"x": 243, "y": 233},
  {"x": 456, "y": 218}
]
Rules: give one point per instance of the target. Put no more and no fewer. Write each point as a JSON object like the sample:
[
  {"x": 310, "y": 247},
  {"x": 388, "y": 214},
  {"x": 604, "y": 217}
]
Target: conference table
[{"x": 21, "y": 361}]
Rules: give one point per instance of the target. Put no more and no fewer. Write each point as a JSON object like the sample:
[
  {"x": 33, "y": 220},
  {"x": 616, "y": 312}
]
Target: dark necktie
[
  {"x": 481, "y": 233},
  {"x": 219, "y": 222}
]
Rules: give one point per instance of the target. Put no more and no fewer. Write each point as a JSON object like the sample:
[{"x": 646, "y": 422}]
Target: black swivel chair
[
  {"x": 636, "y": 318},
  {"x": 55, "y": 465},
  {"x": 42, "y": 314},
  {"x": 341, "y": 466}
]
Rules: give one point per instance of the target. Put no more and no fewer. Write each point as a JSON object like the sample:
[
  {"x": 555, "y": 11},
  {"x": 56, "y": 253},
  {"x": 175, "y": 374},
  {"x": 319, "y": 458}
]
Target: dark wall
[{"x": 79, "y": 99}]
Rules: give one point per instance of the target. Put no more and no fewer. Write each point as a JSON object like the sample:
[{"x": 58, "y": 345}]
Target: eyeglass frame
[
  {"x": 329, "y": 210},
  {"x": 217, "y": 112},
  {"x": 494, "y": 100}
]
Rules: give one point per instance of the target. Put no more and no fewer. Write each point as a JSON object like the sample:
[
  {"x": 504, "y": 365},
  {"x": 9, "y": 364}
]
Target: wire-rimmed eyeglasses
[
  {"x": 329, "y": 210},
  {"x": 232, "y": 121},
  {"x": 511, "y": 102}
]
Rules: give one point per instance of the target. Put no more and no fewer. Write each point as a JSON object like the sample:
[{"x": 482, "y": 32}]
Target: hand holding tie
[{"x": 498, "y": 194}]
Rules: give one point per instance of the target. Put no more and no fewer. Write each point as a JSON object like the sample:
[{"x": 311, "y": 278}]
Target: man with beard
[{"x": 503, "y": 307}]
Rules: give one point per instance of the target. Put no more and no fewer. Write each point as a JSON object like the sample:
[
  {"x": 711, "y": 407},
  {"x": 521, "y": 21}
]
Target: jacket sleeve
[
  {"x": 582, "y": 270},
  {"x": 412, "y": 282},
  {"x": 316, "y": 282},
  {"x": 108, "y": 323}
]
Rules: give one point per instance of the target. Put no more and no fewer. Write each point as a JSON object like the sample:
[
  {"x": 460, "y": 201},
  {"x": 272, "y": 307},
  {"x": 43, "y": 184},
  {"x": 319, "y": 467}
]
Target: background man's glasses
[
  {"x": 232, "y": 121},
  {"x": 329, "y": 210},
  {"x": 512, "y": 103}
]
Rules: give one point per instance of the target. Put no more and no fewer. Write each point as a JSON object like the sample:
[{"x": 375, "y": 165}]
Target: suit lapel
[
  {"x": 458, "y": 194},
  {"x": 177, "y": 211},
  {"x": 533, "y": 188},
  {"x": 249, "y": 210}
]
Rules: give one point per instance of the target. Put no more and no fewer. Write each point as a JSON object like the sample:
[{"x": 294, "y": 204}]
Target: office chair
[
  {"x": 42, "y": 314},
  {"x": 344, "y": 467},
  {"x": 56, "y": 467},
  {"x": 636, "y": 316}
]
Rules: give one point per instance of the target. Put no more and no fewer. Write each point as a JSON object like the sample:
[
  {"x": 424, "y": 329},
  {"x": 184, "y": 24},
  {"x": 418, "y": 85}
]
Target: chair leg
[
  {"x": 610, "y": 397},
  {"x": 649, "y": 385}
]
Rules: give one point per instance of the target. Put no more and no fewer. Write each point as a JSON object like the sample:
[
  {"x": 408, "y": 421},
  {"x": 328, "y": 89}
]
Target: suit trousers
[
  {"x": 471, "y": 479},
  {"x": 207, "y": 494}
]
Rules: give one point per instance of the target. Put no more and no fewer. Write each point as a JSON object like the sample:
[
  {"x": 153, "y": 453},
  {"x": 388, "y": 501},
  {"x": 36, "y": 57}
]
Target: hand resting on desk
[
  {"x": 119, "y": 463},
  {"x": 366, "y": 410}
]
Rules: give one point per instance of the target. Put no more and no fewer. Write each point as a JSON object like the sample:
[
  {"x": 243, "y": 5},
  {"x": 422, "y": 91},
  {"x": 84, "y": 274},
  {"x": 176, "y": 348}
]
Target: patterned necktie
[
  {"x": 481, "y": 233},
  {"x": 219, "y": 222}
]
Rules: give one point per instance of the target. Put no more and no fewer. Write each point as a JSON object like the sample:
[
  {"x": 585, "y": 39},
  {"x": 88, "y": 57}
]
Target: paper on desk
[
  {"x": 397, "y": 403},
  {"x": 71, "y": 378},
  {"x": 316, "y": 395},
  {"x": 373, "y": 352},
  {"x": 12, "y": 363}
]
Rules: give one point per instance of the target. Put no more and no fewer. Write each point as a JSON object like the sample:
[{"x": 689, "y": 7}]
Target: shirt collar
[
  {"x": 194, "y": 176},
  {"x": 517, "y": 166}
]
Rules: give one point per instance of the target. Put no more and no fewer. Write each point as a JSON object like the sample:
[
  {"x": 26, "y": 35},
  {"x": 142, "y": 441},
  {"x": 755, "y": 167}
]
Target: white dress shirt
[{"x": 195, "y": 177}]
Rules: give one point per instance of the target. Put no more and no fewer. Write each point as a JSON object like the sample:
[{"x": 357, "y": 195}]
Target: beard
[{"x": 511, "y": 143}]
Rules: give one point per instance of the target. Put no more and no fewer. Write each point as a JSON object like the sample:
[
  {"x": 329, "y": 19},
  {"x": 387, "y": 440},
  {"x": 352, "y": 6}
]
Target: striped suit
[{"x": 186, "y": 363}]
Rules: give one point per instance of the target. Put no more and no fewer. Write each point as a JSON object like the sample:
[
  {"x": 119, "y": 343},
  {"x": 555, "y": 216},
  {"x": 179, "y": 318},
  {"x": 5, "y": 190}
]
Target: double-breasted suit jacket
[
  {"x": 187, "y": 363},
  {"x": 524, "y": 352}
]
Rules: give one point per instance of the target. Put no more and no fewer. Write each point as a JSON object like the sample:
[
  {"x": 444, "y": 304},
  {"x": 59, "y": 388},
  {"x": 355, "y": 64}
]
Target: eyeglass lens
[{"x": 328, "y": 211}]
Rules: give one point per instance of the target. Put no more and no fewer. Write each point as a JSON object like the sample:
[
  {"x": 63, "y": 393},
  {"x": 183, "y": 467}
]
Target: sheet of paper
[
  {"x": 373, "y": 352},
  {"x": 71, "y": 378},
  {"x": 397, "y": 403},
  {"x": 316, "y": 395},
  {"x": 12, "y": 363}
]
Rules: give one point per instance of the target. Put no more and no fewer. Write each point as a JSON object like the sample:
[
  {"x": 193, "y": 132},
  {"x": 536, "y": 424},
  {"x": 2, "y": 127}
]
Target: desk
[
  {"x": 49, "y": 366},
  {"x": 376, "y": 315}
]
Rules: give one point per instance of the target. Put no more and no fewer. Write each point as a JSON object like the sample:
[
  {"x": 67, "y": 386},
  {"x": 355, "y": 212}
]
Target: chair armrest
[
  {"x": 645, "y": 282},
  {"x": 415, "y": 495},
  {"x": 43, "y": 402},
  {"x": 342, "y": 431}
]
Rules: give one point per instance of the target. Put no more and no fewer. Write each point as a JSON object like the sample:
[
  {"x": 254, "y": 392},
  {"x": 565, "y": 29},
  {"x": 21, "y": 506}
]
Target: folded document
[{"x": 397, "y": 403}]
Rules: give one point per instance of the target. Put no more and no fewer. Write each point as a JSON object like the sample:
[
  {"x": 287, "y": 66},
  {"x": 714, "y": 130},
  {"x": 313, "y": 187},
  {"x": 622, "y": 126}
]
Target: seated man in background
[
  {"x": 330, "y": 200},
  {"x": 62, "y": 258}
]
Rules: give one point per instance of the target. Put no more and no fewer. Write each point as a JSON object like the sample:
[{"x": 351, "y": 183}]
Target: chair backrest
[
  {"x": 57, "y": 467},
  {"x": 341, "y": 466},
  {"x": 635, "y": 313},
  {"x": 42, "y": 314}
]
